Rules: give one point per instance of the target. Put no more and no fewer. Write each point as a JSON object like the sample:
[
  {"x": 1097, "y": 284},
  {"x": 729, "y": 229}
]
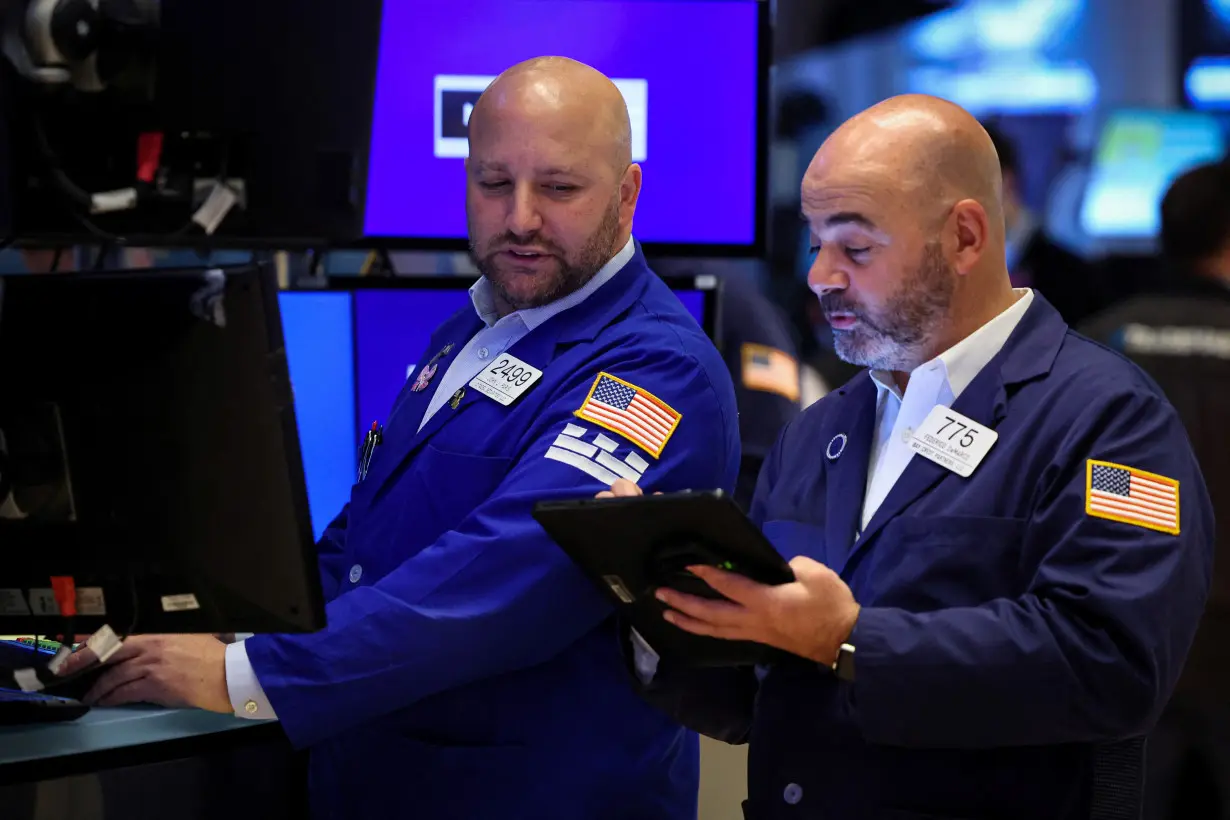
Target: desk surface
[{"x": 111, "y": 737}]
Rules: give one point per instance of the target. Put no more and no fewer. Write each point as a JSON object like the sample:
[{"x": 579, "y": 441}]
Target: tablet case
[{"x": 630, "y": 547}]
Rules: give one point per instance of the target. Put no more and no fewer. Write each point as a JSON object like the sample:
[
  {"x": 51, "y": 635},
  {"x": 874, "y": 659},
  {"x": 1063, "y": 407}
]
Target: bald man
[
  {"x": 468, "y": 669},
  {"x": 1000, "y": 537}
]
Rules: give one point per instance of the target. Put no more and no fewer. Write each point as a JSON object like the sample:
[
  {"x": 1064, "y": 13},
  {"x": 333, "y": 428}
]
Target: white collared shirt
[
  {"x": 502, "y": 333},
  {"x": 937, "y": 382},
  {"x": 247, "y": 696}
]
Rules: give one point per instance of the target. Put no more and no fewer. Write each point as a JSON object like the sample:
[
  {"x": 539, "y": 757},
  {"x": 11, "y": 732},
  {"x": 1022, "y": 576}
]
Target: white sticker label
[
  {"x": 43, "y": 602},
  {"x": 506, "y": 380},
  {"x": 953, "y": 441},
  {"x": 12, "y": 602},
  {"x": 179, "y": 603},
  {"x": 105, "y": 643},
  {"x": 28, "y": 680},
  {"x": 90, "y": 601}
]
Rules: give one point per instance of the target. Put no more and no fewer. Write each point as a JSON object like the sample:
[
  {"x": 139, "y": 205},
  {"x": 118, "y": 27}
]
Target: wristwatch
[{"x": 843, "y": 667}]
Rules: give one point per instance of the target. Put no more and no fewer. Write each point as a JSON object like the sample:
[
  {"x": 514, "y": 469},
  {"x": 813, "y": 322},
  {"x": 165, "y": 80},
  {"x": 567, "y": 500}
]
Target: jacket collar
[
  {"x": 580, "y": 323},
  {"x": 1028, "y": 354}
]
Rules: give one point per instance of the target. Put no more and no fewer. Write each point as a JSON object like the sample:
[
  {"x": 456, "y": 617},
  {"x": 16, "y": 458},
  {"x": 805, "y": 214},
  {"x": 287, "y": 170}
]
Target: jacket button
[
  {"x": 793, "y": 794},
  {"x": 356, "y": 572}
]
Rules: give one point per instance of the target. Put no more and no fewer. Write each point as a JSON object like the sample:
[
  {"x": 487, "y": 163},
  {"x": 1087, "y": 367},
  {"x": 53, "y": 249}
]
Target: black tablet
[{"x": 630, "y": 547}]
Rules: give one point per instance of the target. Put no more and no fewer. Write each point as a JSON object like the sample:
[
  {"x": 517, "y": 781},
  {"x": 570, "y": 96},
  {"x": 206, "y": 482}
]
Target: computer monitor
[
  {"x": 1204, "y": 48},
  {"x": 672, "y": 59},
  {"x": 152, "y": 455},
  {"x": 1139, "y": 154},
  {"x": 349, "y": 348}
]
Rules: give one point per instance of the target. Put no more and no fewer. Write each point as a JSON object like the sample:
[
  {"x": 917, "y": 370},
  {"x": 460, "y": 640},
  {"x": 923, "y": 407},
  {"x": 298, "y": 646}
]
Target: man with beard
[
  {"x": 468, "y": 669},
  {"x": 1000, "y": 537}
]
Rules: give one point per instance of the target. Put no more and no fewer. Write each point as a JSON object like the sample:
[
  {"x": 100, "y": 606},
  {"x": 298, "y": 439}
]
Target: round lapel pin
[{"x": 837, "y": 446}]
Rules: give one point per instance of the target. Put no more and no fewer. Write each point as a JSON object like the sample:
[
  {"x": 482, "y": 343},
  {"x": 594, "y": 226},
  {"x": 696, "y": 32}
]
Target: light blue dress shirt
[
  {"x": 247, "y": 696},
  {"x": 502, "y": 333}
]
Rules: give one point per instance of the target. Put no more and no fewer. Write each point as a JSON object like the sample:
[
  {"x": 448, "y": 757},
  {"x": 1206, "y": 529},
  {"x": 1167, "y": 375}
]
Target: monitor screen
[
  {"x": 1139, "y": 155},
  {"x": 995, "y": 57},
  {"x": 349, "y": 353},
  {"x": 670, "y": 58},
  {"x": 1205, "y": 47}
]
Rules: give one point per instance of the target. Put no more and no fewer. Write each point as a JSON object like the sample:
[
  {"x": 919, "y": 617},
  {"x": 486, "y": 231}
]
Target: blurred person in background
[
  {"x": 1180, "y": 334},
  {"x": 1035, "y": 260},
  {"x": 803, "y": 120}
]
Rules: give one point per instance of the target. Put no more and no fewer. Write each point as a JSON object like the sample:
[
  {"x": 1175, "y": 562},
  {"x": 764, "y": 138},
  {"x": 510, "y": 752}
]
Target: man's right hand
[{"x": 622, "y": 488}]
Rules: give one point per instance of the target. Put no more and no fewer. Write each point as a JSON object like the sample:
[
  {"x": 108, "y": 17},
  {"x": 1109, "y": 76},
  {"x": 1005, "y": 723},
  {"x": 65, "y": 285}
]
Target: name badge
[
  {"x": 953, "y": 441},
  {"x": 506, "y": 380}
]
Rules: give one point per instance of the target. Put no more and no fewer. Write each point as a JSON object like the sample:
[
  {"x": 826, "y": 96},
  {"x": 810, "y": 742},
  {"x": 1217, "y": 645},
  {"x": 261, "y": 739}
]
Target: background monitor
[
  {"x": 349, "y": 349},
  {"x": 152, "y": 455},
  {"x": 694, "y": 74},
  {"x": 1139, "y": 154},
  {"x": 1004, "y": 57},
  {"x": 1205, "y": 49}
]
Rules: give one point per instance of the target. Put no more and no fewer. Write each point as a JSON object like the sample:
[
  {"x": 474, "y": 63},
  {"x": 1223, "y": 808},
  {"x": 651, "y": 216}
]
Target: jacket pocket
[
  {"x": 927, "y": 562},
  {"x": 452, "y": 485}
]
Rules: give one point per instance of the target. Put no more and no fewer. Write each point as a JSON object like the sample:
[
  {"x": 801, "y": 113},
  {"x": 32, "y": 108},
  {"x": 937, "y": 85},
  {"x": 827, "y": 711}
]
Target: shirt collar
[
  {"x": 962, "y": 362},
  {"x": 482, "y": 294}
]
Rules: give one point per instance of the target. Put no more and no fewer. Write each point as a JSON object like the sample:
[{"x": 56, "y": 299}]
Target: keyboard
[
  {"x": 17, "y": 708},
  {"x": 16, "y": 655}
]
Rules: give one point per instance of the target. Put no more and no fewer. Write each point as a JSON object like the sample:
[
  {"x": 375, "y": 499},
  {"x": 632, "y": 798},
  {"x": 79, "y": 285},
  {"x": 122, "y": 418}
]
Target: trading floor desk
[{"x": 149, "y": 763}]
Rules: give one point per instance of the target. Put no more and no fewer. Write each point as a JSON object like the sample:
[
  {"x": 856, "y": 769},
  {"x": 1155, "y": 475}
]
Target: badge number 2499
[
  {"x": 953, "y": 441},
  {"x": 506, "y": 380}
]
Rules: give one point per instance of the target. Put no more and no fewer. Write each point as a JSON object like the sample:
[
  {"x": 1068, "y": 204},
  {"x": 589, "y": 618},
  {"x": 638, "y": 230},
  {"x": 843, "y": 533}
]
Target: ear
[
  {"x": 630, "y": 189},
  {"x": 970, "y": 232}
]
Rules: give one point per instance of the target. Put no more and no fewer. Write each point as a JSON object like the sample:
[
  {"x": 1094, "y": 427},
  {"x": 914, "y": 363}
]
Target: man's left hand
[
  {"x": 168, "y": 670},
  {"x": 810, "y": 617}
]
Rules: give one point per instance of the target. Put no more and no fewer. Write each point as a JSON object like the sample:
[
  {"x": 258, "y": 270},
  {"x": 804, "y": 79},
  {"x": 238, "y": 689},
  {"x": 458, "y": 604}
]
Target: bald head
[
  {"x": 577, "y": 99},
  {"x": 551, "y": 188},
  {"x": 935, "y": 152},
  {"x": 905, "y": 204}
]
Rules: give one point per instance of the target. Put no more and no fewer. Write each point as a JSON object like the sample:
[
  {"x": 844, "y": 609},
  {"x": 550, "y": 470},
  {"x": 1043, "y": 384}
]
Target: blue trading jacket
[
  {"x": 469, "y": 670},
  {"x": 1017, "y": 634}
]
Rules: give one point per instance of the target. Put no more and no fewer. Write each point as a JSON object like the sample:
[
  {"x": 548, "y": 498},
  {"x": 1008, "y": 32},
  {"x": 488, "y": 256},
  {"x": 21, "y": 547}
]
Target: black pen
[{"x": 370, "y": 441}]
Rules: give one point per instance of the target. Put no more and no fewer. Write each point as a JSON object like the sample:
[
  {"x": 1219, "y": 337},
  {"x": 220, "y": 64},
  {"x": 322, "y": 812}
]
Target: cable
[{"x": 78, "y": 199}]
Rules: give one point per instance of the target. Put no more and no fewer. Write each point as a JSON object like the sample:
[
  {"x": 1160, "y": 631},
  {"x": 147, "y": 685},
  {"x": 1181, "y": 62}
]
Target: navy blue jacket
[
  {"x": 1009, "y": 639},
  {"x": 470, "y": 670}
]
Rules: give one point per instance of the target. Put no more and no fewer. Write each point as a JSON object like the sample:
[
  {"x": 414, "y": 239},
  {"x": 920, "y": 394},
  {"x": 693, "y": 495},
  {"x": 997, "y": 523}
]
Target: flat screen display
[
  {"x": 1004, "y": 57},
  {"x": 1205, "y": 46},
  {"x": 688, "y": 69},
  {"x": 1139, "y": 154}
]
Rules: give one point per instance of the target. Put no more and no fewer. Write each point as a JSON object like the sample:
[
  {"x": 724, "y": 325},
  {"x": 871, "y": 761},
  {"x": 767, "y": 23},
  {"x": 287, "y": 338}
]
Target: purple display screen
[
  {"x": 687, "y": 69},
  {"x": 392, "y": 329}
]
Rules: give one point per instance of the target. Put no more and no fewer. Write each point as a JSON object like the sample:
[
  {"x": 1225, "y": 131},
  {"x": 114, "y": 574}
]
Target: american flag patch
[
  {"x": 770, "y": 370},
  {"x": 637, "y": 415},
  {"x": 1132, "y": 496}
]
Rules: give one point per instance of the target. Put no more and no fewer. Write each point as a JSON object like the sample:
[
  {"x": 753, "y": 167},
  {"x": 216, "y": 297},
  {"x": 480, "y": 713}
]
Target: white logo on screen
[{"x": 455, "y": 95}]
